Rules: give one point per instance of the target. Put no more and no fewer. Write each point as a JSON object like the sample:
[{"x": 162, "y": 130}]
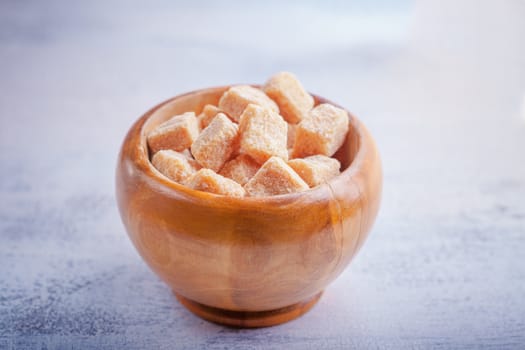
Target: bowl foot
[{"x": 249, "y": 319}]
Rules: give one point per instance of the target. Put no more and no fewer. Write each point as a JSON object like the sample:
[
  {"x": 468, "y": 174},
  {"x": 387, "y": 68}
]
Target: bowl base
[{"x": 249, "y": 319}]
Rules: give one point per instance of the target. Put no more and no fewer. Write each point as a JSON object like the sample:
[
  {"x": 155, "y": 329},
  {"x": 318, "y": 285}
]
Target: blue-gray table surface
[{"x": 440, "y": 84}]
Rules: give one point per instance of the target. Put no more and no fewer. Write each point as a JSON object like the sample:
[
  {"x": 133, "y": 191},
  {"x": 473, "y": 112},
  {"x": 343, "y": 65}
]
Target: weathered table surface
[{"x": 440, "y": 85}]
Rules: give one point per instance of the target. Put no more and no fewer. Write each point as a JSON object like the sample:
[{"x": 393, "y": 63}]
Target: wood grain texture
[
  {"x": 246, "y": 254},
  {"x": 440, "y": 85}
]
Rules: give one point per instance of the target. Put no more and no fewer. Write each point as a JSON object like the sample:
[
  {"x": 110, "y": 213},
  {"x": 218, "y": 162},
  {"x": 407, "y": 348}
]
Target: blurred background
[{"x": 440, "y": 84}]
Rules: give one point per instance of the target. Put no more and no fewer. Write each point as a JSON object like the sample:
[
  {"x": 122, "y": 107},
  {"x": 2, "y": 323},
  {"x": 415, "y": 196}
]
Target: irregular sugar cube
[
  {"x": 208, "y": 113},
  {"x": 293, "y": 100},
  {"x": 322, "y": 131},
  {"x": 237, "y": 98},
  {"x": 273, "y": 178},
  {"x": 216, "y": 143},
  {"x": 263, "y": 134},
  {"x": 240, "y": 169},
  {"x": 209, "y": 181},
  {"x": 174, "y": 165},
  {"x": 315, "y": 170},
  {"x": 178, "y": 133}
]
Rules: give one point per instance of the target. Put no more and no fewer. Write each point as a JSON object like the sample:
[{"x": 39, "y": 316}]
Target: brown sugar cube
[
  {"x": 240, "y": 169},
  {"x": 315, "y": 170},
  {"x": 216, "y": 143},
  {"x": 209, "y": 181},
  {"x": 273, "y": 178},
  {"x": 208, "y": 113},
  {"x": 235, "y": 100},
  {"x": 293, "y": 100},
  {"x": 263, "y": 134},
  {"x": 174, "y": 165},
  {"x": 322, "y": 131},
  {"x": 178, "y": 133}
]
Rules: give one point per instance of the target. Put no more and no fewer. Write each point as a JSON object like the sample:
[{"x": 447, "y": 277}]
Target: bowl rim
[{"x": 139, "y": 156}]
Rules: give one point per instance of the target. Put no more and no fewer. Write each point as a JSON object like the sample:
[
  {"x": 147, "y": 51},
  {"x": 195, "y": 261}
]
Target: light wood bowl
[{"x": 246, "y": 262}]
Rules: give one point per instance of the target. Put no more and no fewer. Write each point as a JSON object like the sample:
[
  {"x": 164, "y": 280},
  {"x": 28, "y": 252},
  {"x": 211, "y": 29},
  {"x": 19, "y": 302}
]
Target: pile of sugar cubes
[{"x": 255, "y": 142}]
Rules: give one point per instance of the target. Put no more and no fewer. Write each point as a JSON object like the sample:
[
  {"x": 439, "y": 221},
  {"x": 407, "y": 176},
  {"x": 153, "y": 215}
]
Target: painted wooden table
[{"x": 441, "y": 86}]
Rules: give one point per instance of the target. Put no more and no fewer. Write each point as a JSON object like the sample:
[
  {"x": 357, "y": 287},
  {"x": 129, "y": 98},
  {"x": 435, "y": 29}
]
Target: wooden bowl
[{"x": 246, "y": 262}]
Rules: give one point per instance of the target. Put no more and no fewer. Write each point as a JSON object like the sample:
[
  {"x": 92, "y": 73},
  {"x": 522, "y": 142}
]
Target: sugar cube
[
  {"x": 315, "y": 170},
  {"x": 174, "y": 165},
  {"x": 209, "y": 181},
  {"x": 293, "y": 100},
  {"x": 273, "y": 178},
  {"x": 235, "y": 100},
  {"x": 178, "y": 133},
  {"x": 216, "y": 143},
  {"x": 322, "y": 131},
  {"x": 263, "y": 134},
  {"x": 240, "y": 169}
]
